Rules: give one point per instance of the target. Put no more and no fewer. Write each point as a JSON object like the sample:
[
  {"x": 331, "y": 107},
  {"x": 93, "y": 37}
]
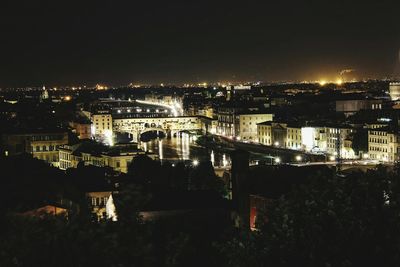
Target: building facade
[
  {"x": 394, "y": 91},
  {"x": 246, "y": 125},
  {"x": 383, "y": 145},
  {"x": 280, "y": 135},
  {"x": 102, "y": 125},
  {"x": 40, "y": 144},
  {"x": 117, "y": 159}
]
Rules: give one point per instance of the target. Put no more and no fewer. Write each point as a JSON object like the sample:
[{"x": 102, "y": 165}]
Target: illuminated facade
[
  {"x": 42, "y": 145},
  {"x": 293, "y": 139},
  {"x": 226, "y": 122},
  {"x": 280, "y": 135},
  {"x": 233, "y": 122},
  {"x": 98, "y": 204},
  {"x": 71, "y": 156},
  {"x": 311, "y": 139},
  {"x": 265, "y": 133},
  {"x": 394, "y": 91},
  {"x": 350, "y": 107},
  {"x": 383, "y": 145},
  {"x": 246, "y": 125},
  {"x": 341, "y": 135},
  {"x": 102, "y": 126}
]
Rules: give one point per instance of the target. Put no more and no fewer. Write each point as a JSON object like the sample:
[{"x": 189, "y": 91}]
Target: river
[{"x": 184, "y": 148}]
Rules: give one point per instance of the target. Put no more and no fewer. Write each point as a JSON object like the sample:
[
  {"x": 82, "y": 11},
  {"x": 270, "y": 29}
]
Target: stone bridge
[{"x": 168, "y": 125}]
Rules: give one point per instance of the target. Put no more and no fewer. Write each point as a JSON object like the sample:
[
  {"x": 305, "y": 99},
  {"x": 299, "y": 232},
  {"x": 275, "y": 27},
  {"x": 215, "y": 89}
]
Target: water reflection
[{"x": 184, "y": 148}]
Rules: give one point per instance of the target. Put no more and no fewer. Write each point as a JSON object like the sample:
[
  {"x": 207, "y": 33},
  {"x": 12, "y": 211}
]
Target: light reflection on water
[{"x": 183, "y": 148}]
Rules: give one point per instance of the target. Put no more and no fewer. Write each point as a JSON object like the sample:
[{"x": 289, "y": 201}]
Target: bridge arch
[{"x": 153, "y": 129}]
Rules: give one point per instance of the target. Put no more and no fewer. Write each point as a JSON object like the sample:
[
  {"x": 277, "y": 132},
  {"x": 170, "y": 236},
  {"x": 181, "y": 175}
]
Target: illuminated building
[
  {"x": 308, "y": 138},
  {"x": 394, "y": 91},
  {"x": 42, "y": 144},
  {"x": 240, "y": 122},
  {"x": 98, "y": 203},
  {"x": 44, "y": 95},
  {"x": 265, "y": 133},
  {"x": 339, "y": 137},
  {"x": 278, "y": 134},
  {"x": 246, "y": 125},
  {"x": 350, "y": 107},
  {"x": 293, "y": 139},
  {"x": 314, "y": 138},
  {"x": 117, "y": 158},
  {"x": 383, "y": 144},
  {"x": 208, "y": 125},
  {"x": 102, "y": 126},
  {"x": 226, "y": 121}
]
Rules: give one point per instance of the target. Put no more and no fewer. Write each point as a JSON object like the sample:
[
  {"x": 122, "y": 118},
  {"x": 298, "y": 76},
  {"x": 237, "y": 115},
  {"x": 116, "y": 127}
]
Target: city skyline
[{"x": 177, "y": 42}]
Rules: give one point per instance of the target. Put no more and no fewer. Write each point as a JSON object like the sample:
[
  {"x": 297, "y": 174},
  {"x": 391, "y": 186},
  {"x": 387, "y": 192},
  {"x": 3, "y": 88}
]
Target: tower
[{"x": 45, "y": 94}]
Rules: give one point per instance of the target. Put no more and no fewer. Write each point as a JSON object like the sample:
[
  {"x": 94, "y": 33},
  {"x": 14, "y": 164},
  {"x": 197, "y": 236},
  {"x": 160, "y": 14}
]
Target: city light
[
  {"x": 332, "y": 158},
  {"x": 224, "y": 161},
  {"x": 339, "y": 81},
  {"x": 277, "y": 160},
  {"x": 276, "y": 143},
  {"x": 322, "y": 82},
  {"x": 299, "y": 158},
  {"x": 195, "y": 162},
  {"x": 109, "y": 137}
]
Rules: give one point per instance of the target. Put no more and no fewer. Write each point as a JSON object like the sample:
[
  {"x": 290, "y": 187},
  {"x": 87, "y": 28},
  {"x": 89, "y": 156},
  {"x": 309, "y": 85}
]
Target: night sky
[{"x": 117, "y": 42}]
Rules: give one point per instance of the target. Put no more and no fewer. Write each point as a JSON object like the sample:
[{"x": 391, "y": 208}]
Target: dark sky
[{"x": 116, "y": 42}]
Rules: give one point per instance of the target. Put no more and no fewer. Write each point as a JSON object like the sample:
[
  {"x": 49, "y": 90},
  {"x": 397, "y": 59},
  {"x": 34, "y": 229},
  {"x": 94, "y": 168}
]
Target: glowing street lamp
[
  {"x": 195, "y": 162},
  {"x": 298, "y": 158},
  {"x": 277, "y": 160}
]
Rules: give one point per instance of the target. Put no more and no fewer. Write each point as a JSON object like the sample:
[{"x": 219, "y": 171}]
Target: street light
[
  {"x": 298, "y": 158},
  {"x": 277, "y": 160},
  {"x": 276, "y": 143},
  {"x": 195, "y": 162}
]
